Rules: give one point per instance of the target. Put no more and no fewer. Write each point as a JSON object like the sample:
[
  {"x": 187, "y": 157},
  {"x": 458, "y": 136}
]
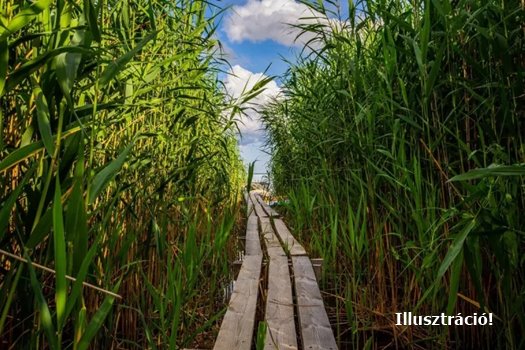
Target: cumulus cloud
[
  {"x": 239, "y": 81},
  {"x": 260, "y": 20}
]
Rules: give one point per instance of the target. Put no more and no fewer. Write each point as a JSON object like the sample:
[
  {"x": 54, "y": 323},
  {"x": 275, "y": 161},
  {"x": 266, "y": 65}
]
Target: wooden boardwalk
[{"x": 294, "y": 312}]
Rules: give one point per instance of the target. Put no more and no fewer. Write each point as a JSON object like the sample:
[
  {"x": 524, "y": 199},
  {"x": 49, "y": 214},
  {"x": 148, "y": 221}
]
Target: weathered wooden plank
[
  {"x": 269, "y": 210},
  {"x": 289, "y": 242},
  {"x": 276, "y": 251},
  {"x": 280, "y": 331},
  {"x": 257, "y": 206},
  {"x": 269, "y": 236},
  {"x": 238, "y": 324},
  {"x": 316, "y": 332},
  {"x": 253, "y": 243}
]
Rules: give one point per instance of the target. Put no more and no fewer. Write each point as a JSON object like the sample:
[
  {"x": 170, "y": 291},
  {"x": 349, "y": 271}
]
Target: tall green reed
[
  {"x": 118, "y": 163},
  {"x": 400, "y": 98}
]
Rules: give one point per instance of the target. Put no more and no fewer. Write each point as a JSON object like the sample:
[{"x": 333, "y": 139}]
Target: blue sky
[
  {"x": 251, "y": 33},
  {"x": 254, "y": 55},
  {"x": 256, "y": 36}
]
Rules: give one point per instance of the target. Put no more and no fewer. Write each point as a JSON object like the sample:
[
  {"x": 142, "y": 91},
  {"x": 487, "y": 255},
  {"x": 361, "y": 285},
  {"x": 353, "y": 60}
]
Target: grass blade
[
  {"x": 496, "y": 170},
  {"x": 44, "y": 314},
  {"x": 115, "y": 67},
  {"x": 101, "y": 180},
  {"x": 60, "y": 257},
  {"x": 23, "y": 18},
  {"x": 43, "y": 117},
  {"x": 97, "y": 321}
]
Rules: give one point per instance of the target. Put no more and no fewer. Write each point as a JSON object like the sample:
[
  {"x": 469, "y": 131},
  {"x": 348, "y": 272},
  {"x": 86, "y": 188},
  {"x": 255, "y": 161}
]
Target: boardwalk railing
[{"x": 292, "y": 291}]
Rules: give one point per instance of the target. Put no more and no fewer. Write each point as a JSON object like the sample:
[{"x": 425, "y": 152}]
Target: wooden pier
[{"x": 294, "y": 312}]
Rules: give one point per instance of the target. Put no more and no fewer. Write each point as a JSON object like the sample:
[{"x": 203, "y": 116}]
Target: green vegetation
[
  {"x": 400, "y": 145},
  {"x": 118, "y": 167}
]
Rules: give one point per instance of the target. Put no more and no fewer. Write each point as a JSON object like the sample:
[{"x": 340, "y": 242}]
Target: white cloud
[
  {"x": 241, "y": 80},
  {"x": 260, "y": 20}
]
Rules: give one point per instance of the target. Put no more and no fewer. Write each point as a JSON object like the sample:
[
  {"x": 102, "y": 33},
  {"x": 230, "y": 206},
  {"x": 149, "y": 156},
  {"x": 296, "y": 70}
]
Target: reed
[
  {"x": 118, "y": 168},
  {"x": 400, "y": 147}
]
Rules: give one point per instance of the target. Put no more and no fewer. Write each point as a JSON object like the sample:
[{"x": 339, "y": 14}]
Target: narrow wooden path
[{"x": 294, "y": 312}]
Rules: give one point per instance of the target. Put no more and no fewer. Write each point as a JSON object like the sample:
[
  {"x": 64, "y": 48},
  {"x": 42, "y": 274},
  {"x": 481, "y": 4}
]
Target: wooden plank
[
  {"x": 238, "y": 324},
  {"x": 269, "y": 236},
  {"x": 290, "y": 243},
  {"x": 314, "y": 325},
  {"x": 276, "y": 251},
  {"x": 257, "y": 206},
  {"x": 269, "y": 210},
  {"x": 253, "y": 244},
  {"x": 280, "y": 331},
  {"x": 279, "y": 314}
]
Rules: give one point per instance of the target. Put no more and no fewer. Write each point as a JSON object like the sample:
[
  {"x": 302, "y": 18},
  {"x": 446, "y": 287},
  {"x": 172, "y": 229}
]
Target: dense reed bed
[
  {"x": 118, "y": 167},
  {"x": 400, "y": 146}
]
